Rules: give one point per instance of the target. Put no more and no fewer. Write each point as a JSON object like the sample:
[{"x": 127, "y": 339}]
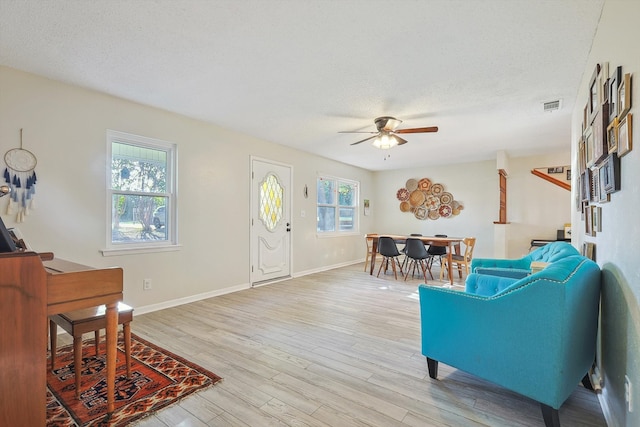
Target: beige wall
[
  {"x": 535, "y": 208},
  {"x": 65, "y": 127},
  {"x": 617, "y": 248}
]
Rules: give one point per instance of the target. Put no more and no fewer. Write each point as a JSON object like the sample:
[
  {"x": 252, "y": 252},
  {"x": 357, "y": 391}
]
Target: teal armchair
[
  {"x": 535, "y": 336},
  {"x": 518, "y": 268}
]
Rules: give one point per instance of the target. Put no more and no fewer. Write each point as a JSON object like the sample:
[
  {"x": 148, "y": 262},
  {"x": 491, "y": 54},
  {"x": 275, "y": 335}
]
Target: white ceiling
[{"x": 296, "y": 72}]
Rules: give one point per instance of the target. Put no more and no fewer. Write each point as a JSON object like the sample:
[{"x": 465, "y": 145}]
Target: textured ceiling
[{"x": 296, "y": 72}]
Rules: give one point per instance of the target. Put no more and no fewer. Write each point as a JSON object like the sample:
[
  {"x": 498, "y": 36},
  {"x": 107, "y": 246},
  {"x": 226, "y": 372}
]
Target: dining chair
[
  {"x": 368, "y": 238},
  {"x": 460, "y": 260},
  {"x": 389, "y": 251},
  {"x": 436, "y": 252},
  {"x": 404, "y": 250},
  {"x": 417, "y": 255}
]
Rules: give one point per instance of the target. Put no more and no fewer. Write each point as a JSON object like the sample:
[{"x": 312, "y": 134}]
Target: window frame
[
  {"x": 356, "y": 216},
  {"x": 171, "y": 227}
]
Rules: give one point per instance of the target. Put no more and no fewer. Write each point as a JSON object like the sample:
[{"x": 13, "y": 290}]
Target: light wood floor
[{"x": 338, "y": 348}]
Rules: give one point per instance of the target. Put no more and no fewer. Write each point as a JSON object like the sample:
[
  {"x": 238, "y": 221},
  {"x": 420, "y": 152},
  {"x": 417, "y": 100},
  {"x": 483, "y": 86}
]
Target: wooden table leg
[
  {"x": 449, "y": 262},
  {"x": 374, "y": 251},
  {"x": 111, "y": 316}
]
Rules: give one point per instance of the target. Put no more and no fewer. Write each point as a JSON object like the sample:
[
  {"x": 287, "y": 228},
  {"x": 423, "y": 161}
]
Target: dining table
[{"x": 451, "y": 243}]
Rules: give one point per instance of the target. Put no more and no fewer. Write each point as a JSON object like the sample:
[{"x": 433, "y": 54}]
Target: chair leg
[
  {"x": 433, "y": 368},
  {"x": 550, "y": 416},
  {"x": 428, "y": 267},
  {"x": 127, "y": 346},
  {"x": 385, "y": 259},
  {"x": 586, "y": 382},
  {"x": 77, "y": 362},
  {"x": 393, "y": 265},
  {"x": 96, "y": 339},
  {"x": 53, "y": 339}
]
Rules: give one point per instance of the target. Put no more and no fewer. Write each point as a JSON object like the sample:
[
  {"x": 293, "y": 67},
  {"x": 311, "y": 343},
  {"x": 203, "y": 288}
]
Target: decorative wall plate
[
  {"x": 424, "y": 184},
  {"x": 445, "y": 211},
  {"x": 403, "y": 194},
  {"x": 420, "y": 212},
  {"x": 434, "y": 214},
  {"x": 405, "y": 207},
  {"x": 412, "y": 184},
  {"x": 446, "y": 198},
  {"x": 417, "y": 198},
  {"x": 437, "y": 189},
  {"x": 432, "y": 202}
]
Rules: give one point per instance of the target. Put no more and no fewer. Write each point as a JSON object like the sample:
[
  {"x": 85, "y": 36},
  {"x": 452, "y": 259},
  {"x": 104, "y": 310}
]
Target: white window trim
[
  {"x": 171, "y": 244},
  {"x": 338, "y": 233}
]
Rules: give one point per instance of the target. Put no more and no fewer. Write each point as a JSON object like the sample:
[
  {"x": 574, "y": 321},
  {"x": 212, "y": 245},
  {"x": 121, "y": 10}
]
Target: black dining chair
[
  {"x": 389, "y": 251},
  {"x": 418, "y": 256},
  {"x": 404, "y": 250},
  {"x": 436, "y": 252}
]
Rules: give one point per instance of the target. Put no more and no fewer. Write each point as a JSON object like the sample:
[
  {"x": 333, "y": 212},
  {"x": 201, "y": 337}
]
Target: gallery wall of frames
[{"x": 607, "y": 136}]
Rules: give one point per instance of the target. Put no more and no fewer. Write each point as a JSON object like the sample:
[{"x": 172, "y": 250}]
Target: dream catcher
[{"x": 20, "y": 175}]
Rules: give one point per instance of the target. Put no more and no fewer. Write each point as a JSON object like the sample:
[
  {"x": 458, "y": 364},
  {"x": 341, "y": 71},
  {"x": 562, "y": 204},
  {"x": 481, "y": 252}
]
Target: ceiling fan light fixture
[{"x": 385, "y": 141}]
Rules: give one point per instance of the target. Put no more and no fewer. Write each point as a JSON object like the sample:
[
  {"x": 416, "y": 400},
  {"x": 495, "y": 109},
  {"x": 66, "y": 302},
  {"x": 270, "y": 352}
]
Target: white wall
[
  {"x": 65, "y": 127},
  {"x": 617, "y": 247},
  {"x": 535, "y": 208}
]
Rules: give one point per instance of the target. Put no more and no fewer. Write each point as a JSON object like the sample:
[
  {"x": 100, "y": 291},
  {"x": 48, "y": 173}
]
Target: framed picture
[
  {"x": 588, "y": 146},
  {"x": 600, "y": 134},
  {"x": 578, "y": 193},
  {"x": 612, "y": 174},
  {"x": 603, "y": 196},
  {"x": 625, "y": 135},
  {"x": 585, "y": 188},
  {"x": 594, "y": 189},
  {"x": 594, "y": 95},
  {"x": 589, "y": 250},
  {"x": 614, "y": 80},
  {"x": 582, "y": 159},
  {"x": 588, "y": 221},
  {"x": 597, "y": 219},
  {"x": 624, "y": 96},
  {"x": 568, "y": 174},
  {"x": 612, "y": 136},
  {"x": 556, "y": 169}
]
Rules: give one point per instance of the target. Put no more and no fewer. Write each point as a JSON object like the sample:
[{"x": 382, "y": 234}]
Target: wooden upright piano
[{"x": 32, "y": 287}]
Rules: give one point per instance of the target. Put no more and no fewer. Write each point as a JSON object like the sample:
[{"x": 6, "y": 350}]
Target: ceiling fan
[{"x": 387, "y": 135}]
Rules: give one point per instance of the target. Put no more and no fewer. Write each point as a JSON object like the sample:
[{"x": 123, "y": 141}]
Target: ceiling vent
[{"x": 552, "y": 105}]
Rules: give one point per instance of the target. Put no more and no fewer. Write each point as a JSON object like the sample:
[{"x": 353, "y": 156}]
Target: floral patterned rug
[{"x": 158, "y": 379}]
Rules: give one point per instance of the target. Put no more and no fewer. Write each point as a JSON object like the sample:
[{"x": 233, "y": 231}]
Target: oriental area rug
[{"x": 158, "y": 379}]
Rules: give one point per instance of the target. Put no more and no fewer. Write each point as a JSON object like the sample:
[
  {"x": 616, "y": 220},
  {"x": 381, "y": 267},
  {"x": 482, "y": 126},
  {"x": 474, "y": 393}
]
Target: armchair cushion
[
  {"x": 487, "y": 285},
  {"x": 535, "y": 336}
]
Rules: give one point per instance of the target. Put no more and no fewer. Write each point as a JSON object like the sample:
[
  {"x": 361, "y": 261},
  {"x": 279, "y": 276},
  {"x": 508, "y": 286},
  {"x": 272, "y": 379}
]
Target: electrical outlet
[
  {"x": 146, "y": 284},
  {"x": 628, "y": 393}
]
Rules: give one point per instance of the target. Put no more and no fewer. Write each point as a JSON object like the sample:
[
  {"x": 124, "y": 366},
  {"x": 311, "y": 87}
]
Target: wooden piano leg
[{"x": 111, "y": 316}]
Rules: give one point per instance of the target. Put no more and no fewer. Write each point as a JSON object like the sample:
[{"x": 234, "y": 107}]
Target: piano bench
[{"x": 87, "y": 320}]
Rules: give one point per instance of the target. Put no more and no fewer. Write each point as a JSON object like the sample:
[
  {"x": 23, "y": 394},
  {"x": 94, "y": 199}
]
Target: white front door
[{"x": 270, "y": 221}]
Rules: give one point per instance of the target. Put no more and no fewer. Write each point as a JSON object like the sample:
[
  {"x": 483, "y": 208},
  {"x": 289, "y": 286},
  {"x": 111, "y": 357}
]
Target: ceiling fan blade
[
  {"x": 400, "y": 140},
  {"x": 366, "y": 139},
  {"x": 418, "y": 130},
  {"x": 356, "y": 131}
]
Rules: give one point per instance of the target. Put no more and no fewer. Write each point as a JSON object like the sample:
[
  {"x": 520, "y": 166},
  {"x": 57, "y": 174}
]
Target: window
[
  {"x": 337, "y": 206},
  {"x": 141, "y": 192}
]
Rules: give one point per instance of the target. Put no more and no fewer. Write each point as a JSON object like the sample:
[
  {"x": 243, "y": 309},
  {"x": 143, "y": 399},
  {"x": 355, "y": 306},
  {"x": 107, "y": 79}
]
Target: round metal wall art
[{"x": 427, "y": 200}]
